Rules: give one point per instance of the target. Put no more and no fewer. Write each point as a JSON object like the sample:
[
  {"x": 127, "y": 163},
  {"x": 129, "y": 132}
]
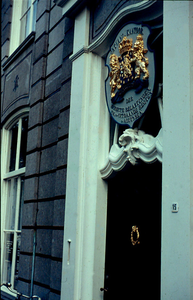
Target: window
[
  {"x": 28, "y": 18},
  {"x": 23, "y": 21},
  {"x": 14, "y": 142}
]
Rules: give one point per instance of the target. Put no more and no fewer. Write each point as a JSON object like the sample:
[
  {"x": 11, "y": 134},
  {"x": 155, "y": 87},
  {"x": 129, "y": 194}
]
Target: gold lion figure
[
  {"x": 114, "y": 74},
  {"x": 126, "y": 67},
  {"x": 124, "y": 48},
  {"x": 140, "y": 60}
]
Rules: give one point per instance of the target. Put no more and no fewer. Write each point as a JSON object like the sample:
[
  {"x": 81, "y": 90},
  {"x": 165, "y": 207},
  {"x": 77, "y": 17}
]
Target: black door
[{"x": 133, "y": 243}]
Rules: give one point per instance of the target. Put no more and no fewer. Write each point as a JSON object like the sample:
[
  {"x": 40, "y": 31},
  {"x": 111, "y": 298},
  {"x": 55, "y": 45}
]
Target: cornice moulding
[
  {"x": 79, "y": 53},
  {"x": 116, "y": 19}
]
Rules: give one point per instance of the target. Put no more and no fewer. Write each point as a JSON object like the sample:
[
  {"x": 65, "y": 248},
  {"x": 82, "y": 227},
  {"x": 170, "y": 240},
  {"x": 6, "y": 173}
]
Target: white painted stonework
[
  {"x": 85, "y": 218},
  {"x": 177, "y": 229},
  {"x": 134, "y": 145}
]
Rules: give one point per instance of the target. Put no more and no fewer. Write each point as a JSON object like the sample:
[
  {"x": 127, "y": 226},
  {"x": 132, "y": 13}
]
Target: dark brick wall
[
  {"x": 48, "y": 98},
  {"x": 6, "y": 14},
  {"x": 45, "y": 185}
]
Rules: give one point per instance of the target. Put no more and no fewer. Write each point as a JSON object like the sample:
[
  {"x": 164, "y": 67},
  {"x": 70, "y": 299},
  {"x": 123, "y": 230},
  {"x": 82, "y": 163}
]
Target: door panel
[{"x": 134, "y": 199}]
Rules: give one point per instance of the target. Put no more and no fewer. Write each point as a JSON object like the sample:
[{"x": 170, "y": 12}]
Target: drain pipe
[{"x": 33, "y": 257}]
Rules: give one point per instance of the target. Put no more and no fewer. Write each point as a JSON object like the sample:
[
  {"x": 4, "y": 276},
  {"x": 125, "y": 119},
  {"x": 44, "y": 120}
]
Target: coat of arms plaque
[{"x": 130, "y": 81}]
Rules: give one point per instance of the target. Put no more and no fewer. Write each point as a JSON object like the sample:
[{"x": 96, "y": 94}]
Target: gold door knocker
[{"x": 135, "y": 229}]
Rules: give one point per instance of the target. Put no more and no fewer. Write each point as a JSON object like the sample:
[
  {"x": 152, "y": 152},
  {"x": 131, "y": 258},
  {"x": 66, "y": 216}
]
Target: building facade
[{"x": 96, "y": 149}]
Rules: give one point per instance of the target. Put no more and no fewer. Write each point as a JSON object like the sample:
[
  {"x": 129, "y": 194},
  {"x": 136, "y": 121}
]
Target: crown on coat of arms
[{"x": 125, "y": 45}]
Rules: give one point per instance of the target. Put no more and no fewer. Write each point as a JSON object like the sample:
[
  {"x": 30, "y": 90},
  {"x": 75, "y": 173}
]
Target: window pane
[
  {"x": 25, "y": 6},
  {"x": 29, "y": 3},
  {"x": 21, "y": 204},
  {"x": 9, "y": 237},
  {"x": 11, "y": 204},
  {"x": 14, "y": 133},
  {"x": 22, "y": 33},
  {"x": 17, "y": 260},
  {"x": 34, "y": 15},
  {"x": 27, "y": 27},
  {"x": 23, "y": 147}
]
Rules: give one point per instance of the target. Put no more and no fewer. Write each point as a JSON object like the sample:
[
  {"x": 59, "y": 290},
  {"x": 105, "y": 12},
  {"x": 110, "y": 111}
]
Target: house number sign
[
  {"x": 175, "y": 207},
  {"x": 130, "y": 82}
]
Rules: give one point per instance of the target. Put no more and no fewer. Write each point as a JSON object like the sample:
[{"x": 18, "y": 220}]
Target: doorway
[{"x": 133, "y": 242}]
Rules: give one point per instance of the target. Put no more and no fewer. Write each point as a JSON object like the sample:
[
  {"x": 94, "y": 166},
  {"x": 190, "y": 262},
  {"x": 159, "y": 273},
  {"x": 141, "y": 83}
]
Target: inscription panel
[{"x": 17, "y": 83}]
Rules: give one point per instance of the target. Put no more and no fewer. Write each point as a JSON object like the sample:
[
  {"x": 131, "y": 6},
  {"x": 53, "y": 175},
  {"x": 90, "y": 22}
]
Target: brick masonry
[{"x": 44, "y": 69}]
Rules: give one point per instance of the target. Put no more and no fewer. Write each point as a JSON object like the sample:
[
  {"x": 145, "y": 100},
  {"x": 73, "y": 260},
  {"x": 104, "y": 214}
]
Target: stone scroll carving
[
  {"x": 135, "y": 145},
  {"x": 139, "y": 145}
]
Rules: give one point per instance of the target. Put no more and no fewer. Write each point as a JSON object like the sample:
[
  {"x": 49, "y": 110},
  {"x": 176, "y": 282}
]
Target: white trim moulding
[{"x": 118, "y": 17}]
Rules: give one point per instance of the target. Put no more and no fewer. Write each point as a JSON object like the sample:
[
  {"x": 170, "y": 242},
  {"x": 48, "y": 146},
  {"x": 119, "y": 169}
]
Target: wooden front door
[{"x": 133, "y": 242}]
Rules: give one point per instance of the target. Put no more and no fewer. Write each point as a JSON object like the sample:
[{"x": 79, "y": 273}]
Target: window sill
[
  {"x": 29, "y": 40},
  {"x": 6, "y": 295},
  {"x": 16, "y": 173}
]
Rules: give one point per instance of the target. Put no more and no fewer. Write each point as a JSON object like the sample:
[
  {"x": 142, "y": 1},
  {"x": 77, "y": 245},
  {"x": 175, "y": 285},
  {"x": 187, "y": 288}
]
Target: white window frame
[
  {"x": 7, "y": 177},
  {"x": 16, "y": 25}
]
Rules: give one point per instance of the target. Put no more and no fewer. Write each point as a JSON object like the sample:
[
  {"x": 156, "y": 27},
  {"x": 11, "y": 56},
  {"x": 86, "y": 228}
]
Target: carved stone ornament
[
  {"x": 130, "y": 81},
  {"x": 129, "y": 88},
  {"x": 136, "y": 145},
  {"x": 133, "y": 145},
  {"x": 139, "y": 145}
]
